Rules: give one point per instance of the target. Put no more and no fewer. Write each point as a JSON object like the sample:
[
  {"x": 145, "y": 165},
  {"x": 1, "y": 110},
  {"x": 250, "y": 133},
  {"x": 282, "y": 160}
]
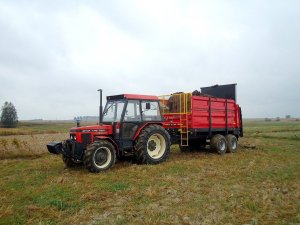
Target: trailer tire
[
  {"x": 232, "y": 143},
  {"x": 152, "y": 145},
  {"x": 99, "y": 156},
  {"x": 218, "y": 143},
  {"x": 71, "y": 163}
]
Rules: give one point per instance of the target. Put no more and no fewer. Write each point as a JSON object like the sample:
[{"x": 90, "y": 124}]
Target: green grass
[
  {"x": 257, "y": 185},
  {"x": 112, "y": 186}
]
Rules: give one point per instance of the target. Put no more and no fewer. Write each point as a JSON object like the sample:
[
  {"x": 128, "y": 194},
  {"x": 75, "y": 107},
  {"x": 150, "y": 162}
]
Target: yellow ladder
[{"x": 184, "y": 123}]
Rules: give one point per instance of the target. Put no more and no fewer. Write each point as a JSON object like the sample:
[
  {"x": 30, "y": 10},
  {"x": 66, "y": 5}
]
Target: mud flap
[{"x": 55, "y": 147}]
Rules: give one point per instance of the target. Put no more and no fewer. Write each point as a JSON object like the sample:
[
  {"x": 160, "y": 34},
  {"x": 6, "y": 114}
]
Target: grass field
[{"x": 260, "y": 184}]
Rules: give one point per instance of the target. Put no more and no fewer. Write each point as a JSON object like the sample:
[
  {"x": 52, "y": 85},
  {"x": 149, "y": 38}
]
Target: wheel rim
[
  {"x": 102, "y": 157},
  {"x": 222, "y": 145},
  {"x": 156, "y": 146},
  {"x": 233, "y": 143}
]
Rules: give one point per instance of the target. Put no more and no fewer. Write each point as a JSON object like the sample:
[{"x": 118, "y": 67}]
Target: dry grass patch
[
  {"x": 27, "y": 145},
  {"x": 32, "y": 128}
]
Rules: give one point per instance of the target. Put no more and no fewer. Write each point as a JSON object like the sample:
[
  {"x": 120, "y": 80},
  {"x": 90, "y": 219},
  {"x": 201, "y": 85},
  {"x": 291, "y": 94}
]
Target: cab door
[{"x": 132, "y": 120}]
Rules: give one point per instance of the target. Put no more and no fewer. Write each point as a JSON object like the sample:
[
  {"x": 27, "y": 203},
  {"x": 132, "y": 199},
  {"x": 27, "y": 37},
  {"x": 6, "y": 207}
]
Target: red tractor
[
  {"x": 129, "y": 125},
  {"x": 145, "y": 126}
]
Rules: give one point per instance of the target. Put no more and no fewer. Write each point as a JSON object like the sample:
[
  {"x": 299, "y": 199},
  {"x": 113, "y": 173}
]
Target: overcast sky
[{"x": 54, "y": 55}]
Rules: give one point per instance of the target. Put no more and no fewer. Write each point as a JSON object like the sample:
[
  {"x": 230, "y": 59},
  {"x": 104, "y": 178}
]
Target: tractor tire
[
  {"x": 153, "y": 145},
  {"x": 99, "y": 156},
  {"x": 218, "y": 143},
  {"x": 71, "y": 163},
  {"x": 232, "y": 143}
]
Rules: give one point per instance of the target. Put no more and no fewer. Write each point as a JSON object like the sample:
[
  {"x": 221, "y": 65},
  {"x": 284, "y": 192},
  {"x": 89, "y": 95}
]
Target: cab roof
[{"x": 132, "y": 96}]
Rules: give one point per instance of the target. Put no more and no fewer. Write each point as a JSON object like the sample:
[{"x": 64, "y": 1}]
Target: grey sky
[{"x": 54, "y": 55}]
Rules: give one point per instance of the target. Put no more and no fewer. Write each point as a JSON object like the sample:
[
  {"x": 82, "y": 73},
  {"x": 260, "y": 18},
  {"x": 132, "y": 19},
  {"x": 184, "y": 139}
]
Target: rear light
[{"x": 117, "y": 128}]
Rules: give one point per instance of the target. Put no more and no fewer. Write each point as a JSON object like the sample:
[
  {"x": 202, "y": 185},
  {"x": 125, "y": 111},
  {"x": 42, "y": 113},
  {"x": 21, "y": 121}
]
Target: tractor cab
[{"x": 127, "y": 114}]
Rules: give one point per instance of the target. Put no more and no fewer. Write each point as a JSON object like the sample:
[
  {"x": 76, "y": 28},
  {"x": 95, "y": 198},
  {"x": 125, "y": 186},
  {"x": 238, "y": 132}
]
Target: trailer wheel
[
  {"x": 232, "y": 143},
  {"x": 218, "y": 142},
  {"x": 99, "y": 156},
  {"x": 152, "y": 145},
  {"x": 71, "y": 163}
]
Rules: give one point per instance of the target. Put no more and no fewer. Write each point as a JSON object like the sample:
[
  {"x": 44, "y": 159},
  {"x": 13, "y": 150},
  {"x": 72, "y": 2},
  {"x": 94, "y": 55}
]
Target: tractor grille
[{"x": 86, "y": 139}]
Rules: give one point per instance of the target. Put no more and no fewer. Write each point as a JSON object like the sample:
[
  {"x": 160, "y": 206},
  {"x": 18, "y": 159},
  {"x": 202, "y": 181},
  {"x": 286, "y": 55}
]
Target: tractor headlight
[{"x": 73, "y": 137}]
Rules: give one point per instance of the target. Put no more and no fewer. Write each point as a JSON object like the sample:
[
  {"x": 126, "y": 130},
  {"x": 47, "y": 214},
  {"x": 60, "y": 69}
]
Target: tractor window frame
[{"x": 116, "y": 111}]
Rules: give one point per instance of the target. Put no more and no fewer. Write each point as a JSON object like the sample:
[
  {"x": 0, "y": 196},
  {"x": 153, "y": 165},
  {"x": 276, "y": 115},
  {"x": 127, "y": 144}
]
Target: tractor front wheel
[
  {"x": 99, "y": 156},
  {"x": 153, "y": 145}
]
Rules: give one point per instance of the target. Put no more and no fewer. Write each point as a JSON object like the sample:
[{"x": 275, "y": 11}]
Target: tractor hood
[{"x": 101, "y": 129}]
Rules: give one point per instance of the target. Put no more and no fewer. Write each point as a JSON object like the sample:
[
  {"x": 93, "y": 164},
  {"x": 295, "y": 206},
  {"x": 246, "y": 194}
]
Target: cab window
[
  {"x": 113, "y": 111},
  {"x": 151, "y": 111},
  {"x": 132, "y": 112}
]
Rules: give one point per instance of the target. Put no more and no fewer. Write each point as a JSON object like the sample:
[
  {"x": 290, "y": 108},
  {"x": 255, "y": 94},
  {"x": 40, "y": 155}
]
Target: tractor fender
[
  {"x": 142, "y": 127},
  {"x": 110, "y": 140}
]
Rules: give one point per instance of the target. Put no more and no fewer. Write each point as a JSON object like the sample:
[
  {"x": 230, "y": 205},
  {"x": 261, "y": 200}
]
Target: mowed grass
[{"x": 260, "y": 184}]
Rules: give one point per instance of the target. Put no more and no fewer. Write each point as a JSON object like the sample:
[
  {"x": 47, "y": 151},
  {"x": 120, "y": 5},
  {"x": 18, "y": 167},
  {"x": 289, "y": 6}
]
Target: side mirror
[{"x": 148, "y": 106}]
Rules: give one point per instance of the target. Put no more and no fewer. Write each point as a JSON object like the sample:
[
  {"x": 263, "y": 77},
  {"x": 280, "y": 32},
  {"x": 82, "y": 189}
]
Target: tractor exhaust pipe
[{"x": 100, "y": 107}]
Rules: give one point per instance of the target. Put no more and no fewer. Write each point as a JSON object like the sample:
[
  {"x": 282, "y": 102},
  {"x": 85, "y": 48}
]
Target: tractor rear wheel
[
  {"x": 71, "y": 163},
  {"x": 153, "y": 145},
  {"x": 232, "y": 143},
  {"x": 99, "y": 156},
  {"x": 218, "y": 142}
]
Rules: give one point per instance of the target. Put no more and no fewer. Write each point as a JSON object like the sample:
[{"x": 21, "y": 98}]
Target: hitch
[{"x": 55, "y": 147}]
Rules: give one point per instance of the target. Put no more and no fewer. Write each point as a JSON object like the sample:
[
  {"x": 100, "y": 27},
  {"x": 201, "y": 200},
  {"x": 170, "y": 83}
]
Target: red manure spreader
[{"x": 144, "y": 127}]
